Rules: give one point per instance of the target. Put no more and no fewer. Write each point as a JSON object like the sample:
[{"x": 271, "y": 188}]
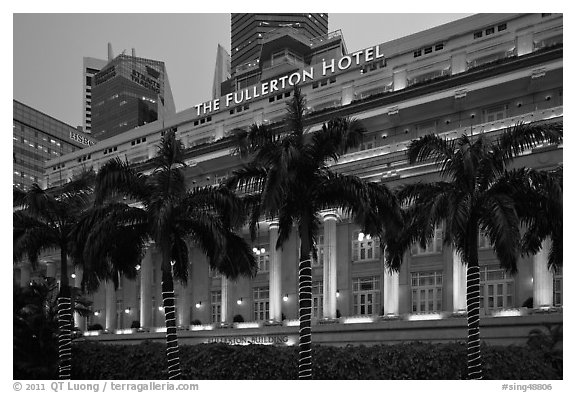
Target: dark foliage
[{"x": 417, "y": 361}]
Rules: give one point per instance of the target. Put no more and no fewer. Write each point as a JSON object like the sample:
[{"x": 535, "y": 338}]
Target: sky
[{"x": 48, "y": 49}]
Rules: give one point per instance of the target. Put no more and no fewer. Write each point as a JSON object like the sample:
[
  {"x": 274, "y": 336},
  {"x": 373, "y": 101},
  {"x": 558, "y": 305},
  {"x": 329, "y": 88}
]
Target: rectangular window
[
  {"x": 418, "y": 53},
  {"x": 503, "y": 26},
  {"x": 478, "y": 34},
  {"x": 427, "y": 50},
  {"x": 263, "y": 258},
  {"x": 364, "y": 248},
  {"x": 366, "y": 295},
  {"x": 317, "y": 299},
  {"x": 216, "y": 306},
  {"x": 490, "y": 31},
  {"x": 495, "y": 113},
  {"x": 496, "y": 288},
  {"x": 439, "y": 46},
  {"x": 434, "y": 245},
  {"x": 557, "y": 288},
  {"x": 261, "y": 303},
  {"x": 427, "y": 291}
]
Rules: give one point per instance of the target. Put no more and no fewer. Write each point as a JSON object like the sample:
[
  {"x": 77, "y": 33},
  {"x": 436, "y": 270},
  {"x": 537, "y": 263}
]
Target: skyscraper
[
  {"x": 37, "y": 138},
  {"x": 129, "y": 92},
  {"x": 221, "y": 71},
  {"x": 90, "y": 67},
  {"x": 247, "y": 31}
]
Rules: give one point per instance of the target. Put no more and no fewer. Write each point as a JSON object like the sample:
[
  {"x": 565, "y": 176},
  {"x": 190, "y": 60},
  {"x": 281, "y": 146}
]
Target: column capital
[{"x": 330, "y": 215}]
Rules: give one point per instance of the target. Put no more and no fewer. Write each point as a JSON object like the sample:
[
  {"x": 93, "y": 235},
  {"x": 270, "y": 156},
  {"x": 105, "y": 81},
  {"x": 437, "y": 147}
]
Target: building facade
[
  {"x": 129, "y": 92},
  {"x": 480, "y": 74},
  {"x": 90, "y": 67},
  {"x": 247, "y": 31},
  {"x": 38, "y": 138}
]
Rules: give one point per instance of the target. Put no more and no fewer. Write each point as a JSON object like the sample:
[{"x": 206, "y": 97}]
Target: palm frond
[
  {"x": 295, "y": 109},
  {"x": 117, "y": 177},
  {"x": 31, "y": 236},
  {"x": 430, "y": 146},
  {"x": 499, "y": 220},
  {"x": 335, "y": 138},
  {"x": 521, "y": 137}
]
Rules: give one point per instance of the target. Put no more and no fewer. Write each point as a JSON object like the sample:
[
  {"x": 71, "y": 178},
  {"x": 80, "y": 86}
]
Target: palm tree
[
  {"x": 43, "y": 220},
  {"x": 114, "y": 232},
  {"x": 478, "y": 192},
  {"x": 289, "y": 179}
]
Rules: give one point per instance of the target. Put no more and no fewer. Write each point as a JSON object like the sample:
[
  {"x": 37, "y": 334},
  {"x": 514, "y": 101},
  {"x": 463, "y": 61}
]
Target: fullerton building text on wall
[{"x": 328, "y": 67}]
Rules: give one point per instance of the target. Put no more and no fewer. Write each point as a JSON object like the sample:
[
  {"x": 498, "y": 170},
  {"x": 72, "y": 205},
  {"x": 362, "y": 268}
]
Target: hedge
[{"x": 221, "y": 361}]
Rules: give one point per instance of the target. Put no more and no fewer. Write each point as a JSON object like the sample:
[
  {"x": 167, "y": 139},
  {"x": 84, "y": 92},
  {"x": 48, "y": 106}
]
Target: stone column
[
  {"x": 110, "y": 305},
  {"x": 146, "y": 311},
  {"x": 330, "y": 266},
  {"x": 391, "y": 292},
  {"x": 275, "y": 275},
  {"x": 543, "y": 286},
  {"x": 458, "y": 283},
  {"x": 400, "y": 79},
  {"x": 183, "y": 306},
  {"x": 79, "y": 321},
  {"x": 24, "y": 274},
  {"x": 525, "y": 44},
  {"x": 224, "y": 308}
]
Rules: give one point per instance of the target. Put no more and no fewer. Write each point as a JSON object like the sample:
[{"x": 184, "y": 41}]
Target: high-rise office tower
[
  {"x": 90, "y": 67},
  {"x": 247, "y": 31},
  {"x": 129, "y": 92},
  {"x": 221, "y": 71},
  {"x": 38, "y": 138}
]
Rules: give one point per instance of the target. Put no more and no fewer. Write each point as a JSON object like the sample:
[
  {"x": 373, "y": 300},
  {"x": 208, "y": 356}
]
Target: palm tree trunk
[
  {"x": 473, "y": 309},
  {"x": 305, "y": 307},
  {"x": 64, "y": 321},
  {"x": 473, "y": 306},
  {"x": 172, "y": 350}
]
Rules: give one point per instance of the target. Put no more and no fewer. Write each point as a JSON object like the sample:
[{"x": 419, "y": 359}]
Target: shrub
[{"x": 220, "y": 361}]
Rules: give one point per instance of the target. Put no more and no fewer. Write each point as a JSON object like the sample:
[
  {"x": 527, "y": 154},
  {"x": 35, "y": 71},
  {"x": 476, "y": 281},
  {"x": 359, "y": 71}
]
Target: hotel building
[{"x": 480, "y": 74}]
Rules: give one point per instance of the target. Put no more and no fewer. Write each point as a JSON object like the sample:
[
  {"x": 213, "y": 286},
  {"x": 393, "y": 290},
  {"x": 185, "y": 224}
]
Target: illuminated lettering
[
  {"x": 229, "y": 99},
  {"x": 324, "y": 67},
  {"x": 309, "y": 74},
  {"x": 238, "y": 100},
  {"x": 369, "y": 54},
  {"x": 291, "y": 82},
  {"x": 264, "y": 88},
  {"x": 273, "y": 86},
  {"x": 341, "y": 61}
]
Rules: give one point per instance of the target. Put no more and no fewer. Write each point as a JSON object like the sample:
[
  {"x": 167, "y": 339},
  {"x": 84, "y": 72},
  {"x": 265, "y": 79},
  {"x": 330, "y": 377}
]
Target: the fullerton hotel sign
[{"x": 265, "y": 88}]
